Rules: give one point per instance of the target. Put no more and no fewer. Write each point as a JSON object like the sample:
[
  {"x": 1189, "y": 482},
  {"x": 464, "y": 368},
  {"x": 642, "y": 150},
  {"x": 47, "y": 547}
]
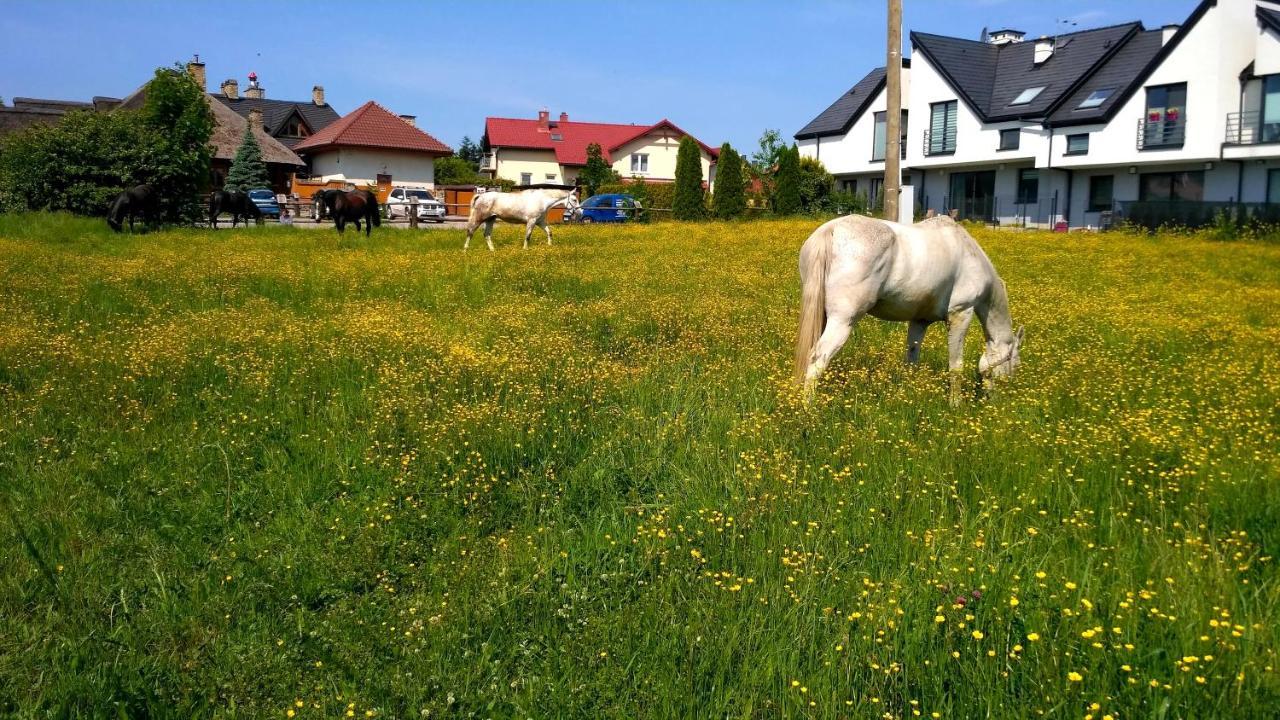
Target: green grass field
[{"x": 269, "y": 473}]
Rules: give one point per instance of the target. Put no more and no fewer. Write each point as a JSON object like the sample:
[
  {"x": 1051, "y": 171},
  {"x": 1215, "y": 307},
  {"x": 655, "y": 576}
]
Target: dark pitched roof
[
  {"x": 1116, "y": 75},
  {"x": 845, "y": 111},
  {"x": 1270, "y": 18},
  {"x": 1127, "y": 68},
  {"x": 276, "y": 112},
  {"x": 990, "y": 77}
]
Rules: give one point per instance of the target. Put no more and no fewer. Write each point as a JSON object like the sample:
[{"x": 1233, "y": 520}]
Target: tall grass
[{"x": 272, "y": 473}]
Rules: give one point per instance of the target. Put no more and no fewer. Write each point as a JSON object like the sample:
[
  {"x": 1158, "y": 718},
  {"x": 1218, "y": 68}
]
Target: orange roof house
[
  {"x": 373, "y": 146},
  {"x": 531, "y": 151}
]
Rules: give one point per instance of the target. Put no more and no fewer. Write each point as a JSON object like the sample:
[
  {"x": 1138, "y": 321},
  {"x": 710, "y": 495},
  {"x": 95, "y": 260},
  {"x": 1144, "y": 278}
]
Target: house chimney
[
  {"x": 317, "y": 94},
  {"x": 1044, "y": 50},
  {"x": 411, "y": 119},
  {"x": 254, "y": 90},
  {"x": 1005, "y": 37},
  {"x": 544, "y": 121},
  {"x": 231, "y": 89},
  {"x": 195, "y": 69},
  {"x": 1167, "y": 32},
  {"x": 255, "y": 119},
  {"x": 564, "y": 117}
]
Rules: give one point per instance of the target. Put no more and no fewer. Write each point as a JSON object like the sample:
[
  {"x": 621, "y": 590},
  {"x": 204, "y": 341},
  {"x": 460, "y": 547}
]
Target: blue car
[
  {"x": 609, "y": 208},
  {"x": 266, "y": 202}
]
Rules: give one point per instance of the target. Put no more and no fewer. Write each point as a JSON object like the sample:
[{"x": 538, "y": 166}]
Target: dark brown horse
[
  {"x": 354, "y": 206},
  {"x": 138, "y": 201},
  {"x": 239, "y": 204}
]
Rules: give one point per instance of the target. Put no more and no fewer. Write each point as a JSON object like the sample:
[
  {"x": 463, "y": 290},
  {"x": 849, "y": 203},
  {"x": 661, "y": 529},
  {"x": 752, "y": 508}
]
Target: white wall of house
[
  {"x": 539, "y": 164},
  {"x": 662, "y": 146},
  {"x": 976, "y": 142},
  {"x": 362, "y": 166},
  {"x": 1267, "y": 51}
]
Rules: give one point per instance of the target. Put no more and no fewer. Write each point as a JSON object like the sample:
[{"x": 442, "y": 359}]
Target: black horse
[
  {"x": 138, "y": 201},
  {"x": 354, "y": 206},
  {"x": 239, "y": 204},
  {"x": 322, "y": 201}
]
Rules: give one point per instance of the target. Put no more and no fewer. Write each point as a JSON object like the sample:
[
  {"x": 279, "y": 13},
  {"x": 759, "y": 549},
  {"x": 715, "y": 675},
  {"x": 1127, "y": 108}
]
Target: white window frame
[{"x": 640, "y": 163}]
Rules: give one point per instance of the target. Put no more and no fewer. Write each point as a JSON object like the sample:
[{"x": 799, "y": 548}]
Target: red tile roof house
[
  {"x": 549, "y": 151},
  {"x": 373, "y": 146}
]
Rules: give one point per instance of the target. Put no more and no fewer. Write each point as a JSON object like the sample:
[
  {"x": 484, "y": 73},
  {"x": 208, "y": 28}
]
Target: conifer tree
[
  {"x": 729, "y": 200},
  {"x": 786, "y": 197},
  {"x": 690, "y": 202},
  {"x": 248, "y": 171}
]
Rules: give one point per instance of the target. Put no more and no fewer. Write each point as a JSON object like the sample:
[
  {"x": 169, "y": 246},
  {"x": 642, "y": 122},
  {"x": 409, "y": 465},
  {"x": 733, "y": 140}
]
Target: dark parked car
[
  {"x": 609, "y": 208},
  {"x": 266, "y": 202}
]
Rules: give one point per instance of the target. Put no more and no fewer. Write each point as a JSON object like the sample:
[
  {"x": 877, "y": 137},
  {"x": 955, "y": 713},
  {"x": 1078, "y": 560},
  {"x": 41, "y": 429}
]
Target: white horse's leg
[
  {"x": 546, "y": 226},
  {"x": 957, "y": 327},
  {"x": 834, "y": 335},
  {"x": 915, "y": 338},
  {"x": 488, "y": 232},
  {"x": 528, "y": 230},
  {"x": 471, "y": 229}
]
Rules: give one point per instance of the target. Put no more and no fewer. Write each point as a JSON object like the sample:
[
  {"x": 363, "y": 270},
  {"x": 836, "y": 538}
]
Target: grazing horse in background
[
  {"x": 323, "y": 201},
  {"x": 528, "y": 207},
  {"x": 137, "y": 201},
  {"x": 239, "y": 204},
  {"x": 920, "y": 274},
  {"x": 354, "y": 206}
]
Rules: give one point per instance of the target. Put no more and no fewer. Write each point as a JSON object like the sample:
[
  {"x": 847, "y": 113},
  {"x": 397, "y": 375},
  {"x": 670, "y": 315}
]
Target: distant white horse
[
  {"x": 526, "y": 206},
  {"x": 920, "y": 274}
]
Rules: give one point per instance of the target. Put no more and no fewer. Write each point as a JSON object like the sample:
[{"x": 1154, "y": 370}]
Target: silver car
[{"x": 401, "y": 199}]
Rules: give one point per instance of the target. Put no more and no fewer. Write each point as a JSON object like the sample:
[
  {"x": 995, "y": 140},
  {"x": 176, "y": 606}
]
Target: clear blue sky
[{"x": 721, "y": 70}]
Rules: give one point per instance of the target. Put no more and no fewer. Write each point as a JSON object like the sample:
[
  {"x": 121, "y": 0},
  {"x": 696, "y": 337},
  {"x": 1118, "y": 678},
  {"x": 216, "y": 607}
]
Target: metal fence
[
  {"x": 997, "y": 210},
  {"x": 1195, "y": 213}
]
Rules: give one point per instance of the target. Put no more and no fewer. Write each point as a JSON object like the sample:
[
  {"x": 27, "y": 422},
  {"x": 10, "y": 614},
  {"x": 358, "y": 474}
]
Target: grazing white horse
[
  {"x": 920, "y": 274},
  {"x": 526, "y": 206}
]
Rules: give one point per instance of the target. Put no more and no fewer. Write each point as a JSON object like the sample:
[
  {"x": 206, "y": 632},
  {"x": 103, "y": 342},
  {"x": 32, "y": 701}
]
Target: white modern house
[
  {"x": 1114, "y": 120},
  {"x": 373, "y": 146},
  {"x": 849, "y": 136}
]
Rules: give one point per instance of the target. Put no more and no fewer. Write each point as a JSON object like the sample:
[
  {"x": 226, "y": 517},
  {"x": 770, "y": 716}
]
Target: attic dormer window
[
  {"x": 557, "y": 137},
  {"x": 294, "y": 129},
  {"x": 1096, "y": 98},
  {"x": 1027, "y": 96}
]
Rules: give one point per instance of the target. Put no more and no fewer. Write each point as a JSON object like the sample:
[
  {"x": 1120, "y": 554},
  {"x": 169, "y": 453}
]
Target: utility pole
[{"x": 893, "y": 114}]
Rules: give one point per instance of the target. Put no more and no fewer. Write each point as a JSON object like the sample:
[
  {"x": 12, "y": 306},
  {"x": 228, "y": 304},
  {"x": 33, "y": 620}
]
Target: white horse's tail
[{"x": 813, "y": 300}]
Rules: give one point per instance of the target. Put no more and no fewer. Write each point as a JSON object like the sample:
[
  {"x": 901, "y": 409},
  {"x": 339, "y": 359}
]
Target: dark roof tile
[
  {"x": 276, "y": 112},
  {"x": 845, "y": 111}
]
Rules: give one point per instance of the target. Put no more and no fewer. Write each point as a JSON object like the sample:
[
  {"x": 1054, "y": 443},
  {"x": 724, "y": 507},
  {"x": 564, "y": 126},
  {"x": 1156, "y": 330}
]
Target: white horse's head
[
  {"x": 571, "y": 204},
  {"x": 1001, "y": 358}
]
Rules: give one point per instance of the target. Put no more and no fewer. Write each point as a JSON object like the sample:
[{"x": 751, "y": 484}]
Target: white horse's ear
[{"x": 1022, "y": 332}]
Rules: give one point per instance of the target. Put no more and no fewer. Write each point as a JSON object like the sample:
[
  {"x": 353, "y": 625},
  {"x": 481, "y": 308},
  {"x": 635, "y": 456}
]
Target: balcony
[
  {"x": 1162, "y": 132},
  {"x": 489, "y": 162},
  {"x": 1247, "y": 128},
  {"x": 940, "y": 143}
]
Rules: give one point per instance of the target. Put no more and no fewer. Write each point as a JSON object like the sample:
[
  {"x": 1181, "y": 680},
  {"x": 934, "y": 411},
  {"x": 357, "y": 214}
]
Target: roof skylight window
[
  {"x": 1027, "y": 96},
  {"x": 1096, "y": 98}
]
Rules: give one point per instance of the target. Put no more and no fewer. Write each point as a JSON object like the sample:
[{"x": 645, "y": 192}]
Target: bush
[
  {"x": 689, "y": 202},
  {"x": 78, "y": 165},
  {"x": 814, "y": 184},
  {"x": 455, "y": 170}
]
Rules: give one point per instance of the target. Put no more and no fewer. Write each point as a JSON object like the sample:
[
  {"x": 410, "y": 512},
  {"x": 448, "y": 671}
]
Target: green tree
[
  {"x": 455, "y": 170},
  {"x": 178, "y": 113},
  {"x": 470, "y": 152},
  {"x": 771, "y": 148},
  {"x": 786, "y": 197},
  {"x": 690, "y": 201},
  {"x": 814, "y": 183},
  {"x": 729, "y": 200},
  {"x": 248, "y": 171},
  {"x": 596, "y": 172},
  {"x": 639, "y": 189}
]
